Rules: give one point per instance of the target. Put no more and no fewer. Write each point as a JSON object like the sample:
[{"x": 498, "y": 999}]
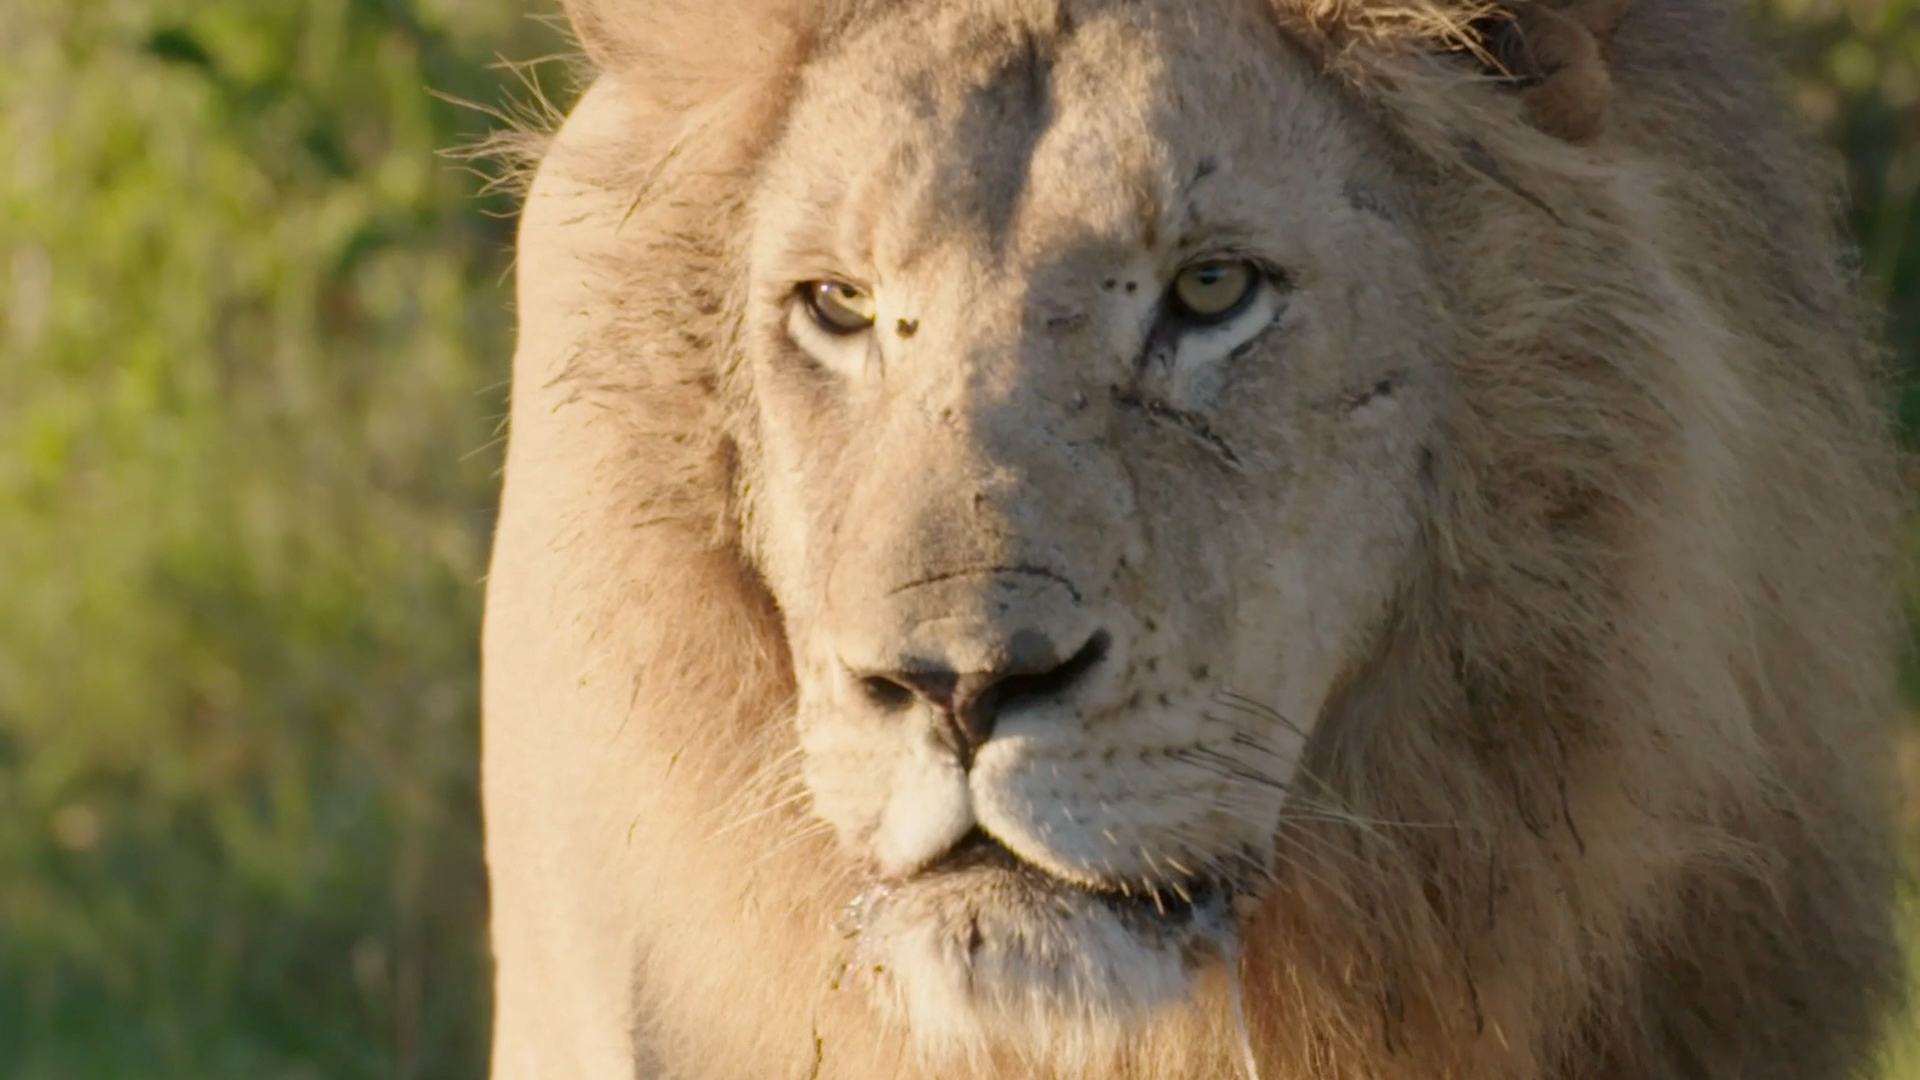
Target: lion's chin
[{"x": 984, "y": 952}]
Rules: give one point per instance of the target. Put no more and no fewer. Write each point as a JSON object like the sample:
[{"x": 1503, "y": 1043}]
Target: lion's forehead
[{"x": 1016, "y": 137}]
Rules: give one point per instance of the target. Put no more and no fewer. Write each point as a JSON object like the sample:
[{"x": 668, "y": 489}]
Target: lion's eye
[
  {"x": 1212, "y": 292},
  {"x": 837, "y": 307}
]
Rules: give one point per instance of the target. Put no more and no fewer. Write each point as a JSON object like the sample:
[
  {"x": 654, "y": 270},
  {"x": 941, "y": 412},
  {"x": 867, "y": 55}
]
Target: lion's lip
[
  {"x": 1169, "y": 904},
  {"x": 979, "y": 850}
]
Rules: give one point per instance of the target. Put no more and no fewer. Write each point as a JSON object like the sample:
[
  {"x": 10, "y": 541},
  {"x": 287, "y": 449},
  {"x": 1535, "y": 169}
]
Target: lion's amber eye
[
  {"x": 1212, "y": 292},
  {"x": 838, "y": 307}
]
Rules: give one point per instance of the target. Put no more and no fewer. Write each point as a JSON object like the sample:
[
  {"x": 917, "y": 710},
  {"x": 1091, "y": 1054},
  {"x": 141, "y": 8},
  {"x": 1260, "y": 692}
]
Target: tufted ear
[
  {"x": 688, "y": 52},
  {"x": 1554, "y": 53}
]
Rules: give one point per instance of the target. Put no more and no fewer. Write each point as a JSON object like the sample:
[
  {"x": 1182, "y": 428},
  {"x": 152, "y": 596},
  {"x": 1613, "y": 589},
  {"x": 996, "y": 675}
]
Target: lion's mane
[{"x": 1611, "y": 809}]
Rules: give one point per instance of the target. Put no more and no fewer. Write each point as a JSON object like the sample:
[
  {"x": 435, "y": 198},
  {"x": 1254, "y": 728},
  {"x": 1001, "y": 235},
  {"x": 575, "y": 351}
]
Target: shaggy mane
[{"x": 1615, "y": 788}]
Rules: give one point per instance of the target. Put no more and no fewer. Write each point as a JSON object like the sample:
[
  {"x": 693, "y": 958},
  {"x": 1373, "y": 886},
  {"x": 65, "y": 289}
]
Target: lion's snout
[
  {"x": 957, "y": 649},
  {"x": 919, "y": 682},
  {"x": 1027, "y": 669}
]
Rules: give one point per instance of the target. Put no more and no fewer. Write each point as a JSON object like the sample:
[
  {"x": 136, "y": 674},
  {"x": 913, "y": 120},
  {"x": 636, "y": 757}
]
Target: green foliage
[
  {"x": 253, "y": 338},
  {"x": 1855, "y": 72}
]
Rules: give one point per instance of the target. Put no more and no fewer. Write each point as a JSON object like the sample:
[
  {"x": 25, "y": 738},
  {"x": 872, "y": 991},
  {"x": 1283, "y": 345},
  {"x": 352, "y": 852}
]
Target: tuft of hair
[{"x": 507, "y": 156}]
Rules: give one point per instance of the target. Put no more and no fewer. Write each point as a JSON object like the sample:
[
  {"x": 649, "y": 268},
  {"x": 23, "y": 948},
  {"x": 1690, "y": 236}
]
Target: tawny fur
[{"x": 1611, "y": 781}]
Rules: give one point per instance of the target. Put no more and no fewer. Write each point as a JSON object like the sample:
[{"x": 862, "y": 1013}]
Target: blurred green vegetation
[
  {"x": 255, "y": 335},
  {"x": 253, "y": 338},
  {"x": 1854, "y": 71}
]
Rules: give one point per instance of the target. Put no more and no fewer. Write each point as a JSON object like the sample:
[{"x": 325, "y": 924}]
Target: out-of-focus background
[{"x": 253, "y": 341}]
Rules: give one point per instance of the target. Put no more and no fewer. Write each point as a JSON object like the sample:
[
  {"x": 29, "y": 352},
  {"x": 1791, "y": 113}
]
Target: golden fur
[{"x": 1600, "y": 792}]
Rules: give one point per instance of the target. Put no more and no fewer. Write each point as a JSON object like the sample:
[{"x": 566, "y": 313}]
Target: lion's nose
[{"x": 969, "y": 703}]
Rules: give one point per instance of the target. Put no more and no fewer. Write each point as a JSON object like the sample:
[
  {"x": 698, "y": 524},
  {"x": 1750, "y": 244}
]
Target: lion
[{"x": 1188, "y": 538}]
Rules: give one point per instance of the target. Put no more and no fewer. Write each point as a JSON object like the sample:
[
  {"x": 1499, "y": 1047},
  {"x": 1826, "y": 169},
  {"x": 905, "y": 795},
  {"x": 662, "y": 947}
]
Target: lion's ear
[
  {"x": 684, "y": 52},
  {"x": 1555, "y": 54}
]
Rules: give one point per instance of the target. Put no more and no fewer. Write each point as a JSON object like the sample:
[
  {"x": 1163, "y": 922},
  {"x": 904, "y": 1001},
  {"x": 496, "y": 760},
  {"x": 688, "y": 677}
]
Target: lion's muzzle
[
  {"x": 934, "y": 665},
  {"x": 959, "y": 672}
]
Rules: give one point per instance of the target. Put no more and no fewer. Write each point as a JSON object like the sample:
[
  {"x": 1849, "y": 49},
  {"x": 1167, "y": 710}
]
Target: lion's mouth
[
  {"x": 981, "y": 946},
  {"x": 995, "y": 875}
]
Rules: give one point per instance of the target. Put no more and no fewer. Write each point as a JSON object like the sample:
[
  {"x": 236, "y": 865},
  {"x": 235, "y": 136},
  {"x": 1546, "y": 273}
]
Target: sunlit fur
[{"x": 1590, "y": 779}]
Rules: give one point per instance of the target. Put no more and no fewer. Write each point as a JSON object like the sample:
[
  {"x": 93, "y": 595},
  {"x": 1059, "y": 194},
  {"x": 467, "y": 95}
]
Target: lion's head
[
  {"x": 1147, "y": 474},
  {"x": 1093, "y": 375}
]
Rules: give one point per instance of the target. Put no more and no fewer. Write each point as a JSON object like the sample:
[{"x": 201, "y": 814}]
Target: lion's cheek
[{"x": 1313, "y": 602}]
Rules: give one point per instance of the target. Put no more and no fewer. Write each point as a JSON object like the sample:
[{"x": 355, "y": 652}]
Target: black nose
[{"x": 970, "y": 702}]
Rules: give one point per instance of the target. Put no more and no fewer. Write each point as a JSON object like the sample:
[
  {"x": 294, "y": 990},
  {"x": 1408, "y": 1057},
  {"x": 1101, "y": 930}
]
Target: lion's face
[{"x": 1091, "y": 374}]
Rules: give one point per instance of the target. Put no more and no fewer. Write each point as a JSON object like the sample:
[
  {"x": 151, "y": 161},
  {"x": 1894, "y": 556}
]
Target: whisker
[
  {"x": 769, "y": 810},
  {"x": 806, "y": 832},
  {"x": 1243, "y": 703}
]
